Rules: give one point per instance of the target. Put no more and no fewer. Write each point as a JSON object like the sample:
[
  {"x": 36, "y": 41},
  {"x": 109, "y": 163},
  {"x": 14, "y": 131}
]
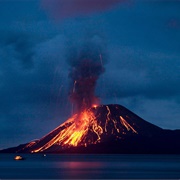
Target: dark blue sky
[{"x": 142, "y": 44}]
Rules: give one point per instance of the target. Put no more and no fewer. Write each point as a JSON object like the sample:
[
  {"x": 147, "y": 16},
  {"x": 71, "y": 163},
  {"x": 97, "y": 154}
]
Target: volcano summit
[{"x": 105, "y": 129}]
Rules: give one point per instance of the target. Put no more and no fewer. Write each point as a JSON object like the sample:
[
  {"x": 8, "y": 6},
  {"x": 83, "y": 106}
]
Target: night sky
[{"x": 141, "y": 45}]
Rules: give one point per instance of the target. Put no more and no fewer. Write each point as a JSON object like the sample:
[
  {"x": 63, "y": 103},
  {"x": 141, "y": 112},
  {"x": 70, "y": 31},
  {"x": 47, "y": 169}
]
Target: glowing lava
[
  {"x": 104, "y": 129},
  {"x": 84, "y": 129},
  {"x": 75, "y": 130}
]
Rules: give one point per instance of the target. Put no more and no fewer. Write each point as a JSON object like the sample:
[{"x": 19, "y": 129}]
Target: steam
[
  {"x": 86, "y": 65},
  {"x": 68, "y": 8}
]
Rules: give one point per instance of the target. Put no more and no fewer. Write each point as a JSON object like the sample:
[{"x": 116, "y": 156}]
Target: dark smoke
[{"x": 86, "y": 65}]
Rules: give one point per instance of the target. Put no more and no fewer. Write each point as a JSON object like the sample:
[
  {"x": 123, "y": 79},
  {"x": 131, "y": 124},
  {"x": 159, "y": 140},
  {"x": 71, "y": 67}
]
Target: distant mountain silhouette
[{"x": 107, "y": 129}]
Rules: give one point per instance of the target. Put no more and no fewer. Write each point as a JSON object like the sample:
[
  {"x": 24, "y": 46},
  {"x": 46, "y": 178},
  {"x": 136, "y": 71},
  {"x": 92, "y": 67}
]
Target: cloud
[
  {"x": 68, "y": 8},
  {"x": 133, "y": 72},
  {"x": 20, "y": 45},
  {"x": 33, "y": 89}
]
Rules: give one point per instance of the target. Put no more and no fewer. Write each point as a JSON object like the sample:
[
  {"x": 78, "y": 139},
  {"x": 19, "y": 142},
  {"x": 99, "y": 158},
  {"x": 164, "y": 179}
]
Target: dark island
[{"x": 105, "y": 129}]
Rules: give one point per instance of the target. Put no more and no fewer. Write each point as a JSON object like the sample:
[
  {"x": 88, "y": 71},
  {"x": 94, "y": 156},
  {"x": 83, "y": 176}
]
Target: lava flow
[
  {"x": 74, "y": 131},
  {"x": 92, "y": 126}
]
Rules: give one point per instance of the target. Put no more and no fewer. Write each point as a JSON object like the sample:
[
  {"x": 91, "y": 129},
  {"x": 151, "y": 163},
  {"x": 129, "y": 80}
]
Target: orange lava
[
  {"x": 75, "y": 131},
  {"x": 76, "y": 128}
]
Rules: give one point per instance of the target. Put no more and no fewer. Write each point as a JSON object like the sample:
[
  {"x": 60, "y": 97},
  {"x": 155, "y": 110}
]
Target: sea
[{"x": 89, "y": 166}]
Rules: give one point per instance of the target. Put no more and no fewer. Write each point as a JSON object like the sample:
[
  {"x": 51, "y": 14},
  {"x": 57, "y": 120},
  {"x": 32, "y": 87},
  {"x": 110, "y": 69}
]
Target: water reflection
[
  {"x": 91, "y": 167},
  {"x": 84, "y": 165},
  {"x": 92, "y": 170},
  {"x": 121, "y": 169},
  {"x": 80, "y": 169}
]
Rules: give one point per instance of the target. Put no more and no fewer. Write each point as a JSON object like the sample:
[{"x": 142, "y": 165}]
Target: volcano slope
[{"x": 105, "y": 129}]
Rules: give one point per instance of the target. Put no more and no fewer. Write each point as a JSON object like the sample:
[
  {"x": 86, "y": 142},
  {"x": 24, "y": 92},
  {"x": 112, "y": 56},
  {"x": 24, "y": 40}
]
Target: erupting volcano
[
  {"x": 104, "y": 129},
  {"x": 95, "y": 125},
  {"x": 95, "y": 128}
]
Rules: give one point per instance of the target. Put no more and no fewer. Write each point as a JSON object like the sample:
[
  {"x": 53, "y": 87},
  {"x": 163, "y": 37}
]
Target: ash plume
[{"x": 86, "y": 65}]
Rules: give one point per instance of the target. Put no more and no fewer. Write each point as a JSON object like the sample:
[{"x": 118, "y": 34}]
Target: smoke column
[
  {"x": 86, "y": 65},
  {"x": 87, "y": 61},
  {"x": 61, "y": 9}
]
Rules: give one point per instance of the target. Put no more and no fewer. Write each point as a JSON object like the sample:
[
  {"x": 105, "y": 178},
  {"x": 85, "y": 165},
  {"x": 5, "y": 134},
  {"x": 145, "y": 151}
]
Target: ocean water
[{"x": 53, "y": 166}]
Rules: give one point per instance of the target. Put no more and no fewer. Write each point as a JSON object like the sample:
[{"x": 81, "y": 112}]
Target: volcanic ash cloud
[{"x": 86, "y": 65}]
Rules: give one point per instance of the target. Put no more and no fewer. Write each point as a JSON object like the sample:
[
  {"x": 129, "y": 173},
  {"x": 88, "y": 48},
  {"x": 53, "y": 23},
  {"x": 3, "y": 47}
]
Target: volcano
[{"x": 105, "y": 129}]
